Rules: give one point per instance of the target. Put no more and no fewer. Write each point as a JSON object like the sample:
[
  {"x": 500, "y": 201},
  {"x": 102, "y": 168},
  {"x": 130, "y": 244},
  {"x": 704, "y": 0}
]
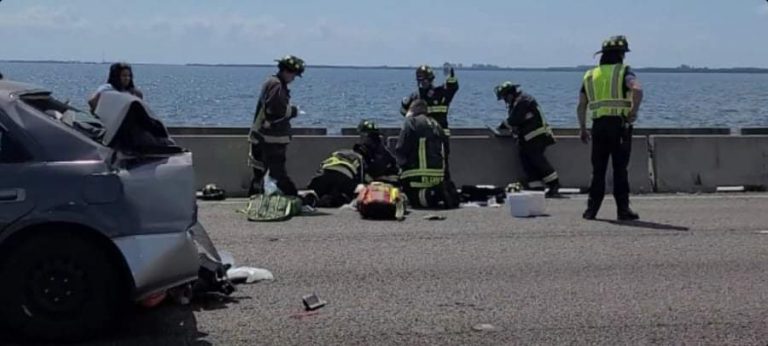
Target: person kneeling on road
[
  {"x": 420, "y": 152},
  {"x": 534, "y": 135},
  {"x": 337, "y": 179},
  {"x": 368, "y": 161},
  {"x": 380, "y": 165}
]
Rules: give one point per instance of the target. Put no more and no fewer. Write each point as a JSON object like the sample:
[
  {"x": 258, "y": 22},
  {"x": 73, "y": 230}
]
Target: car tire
[{"x": 60, "y": 286}]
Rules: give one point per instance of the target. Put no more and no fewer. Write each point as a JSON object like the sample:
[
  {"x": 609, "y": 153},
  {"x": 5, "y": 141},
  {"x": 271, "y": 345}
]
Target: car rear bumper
[{"x": 159, "y": 261}]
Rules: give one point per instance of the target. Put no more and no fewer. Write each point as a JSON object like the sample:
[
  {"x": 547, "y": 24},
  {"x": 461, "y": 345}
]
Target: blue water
[{"x": 336, "y": 98}]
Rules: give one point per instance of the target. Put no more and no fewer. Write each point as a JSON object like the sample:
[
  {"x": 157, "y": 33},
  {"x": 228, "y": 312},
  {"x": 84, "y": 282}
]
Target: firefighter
[
  {"x": 420, "y": 154},
  {"x": 338, "y": 178},
  {"x": 611, "y": 94},
  {"x": 380, "y": 165},
  {"x": 271, "y": 130},
  {"x": 368, "y": 161},
  {"x": 527, "y": 121},
  {"x": 437, "y": 98}
]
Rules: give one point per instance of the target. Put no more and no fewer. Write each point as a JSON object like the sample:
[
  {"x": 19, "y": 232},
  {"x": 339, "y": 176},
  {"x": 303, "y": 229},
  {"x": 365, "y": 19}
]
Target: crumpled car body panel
[{"x": 144, "y": 202}]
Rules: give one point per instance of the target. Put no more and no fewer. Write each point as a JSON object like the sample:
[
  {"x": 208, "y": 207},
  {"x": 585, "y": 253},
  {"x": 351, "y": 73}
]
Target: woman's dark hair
[
  {"x": 612, "y": 58},
  {"x": 114, "y": 76}
]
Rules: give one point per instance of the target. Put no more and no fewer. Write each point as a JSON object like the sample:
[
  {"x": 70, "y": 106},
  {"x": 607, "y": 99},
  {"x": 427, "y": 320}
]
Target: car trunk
[
  {"x": 157, "y": 175},
  {"x": 158, "y": 180}
]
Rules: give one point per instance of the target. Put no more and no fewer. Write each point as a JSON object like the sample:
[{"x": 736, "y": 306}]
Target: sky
[{"x": 519, "y": 33}]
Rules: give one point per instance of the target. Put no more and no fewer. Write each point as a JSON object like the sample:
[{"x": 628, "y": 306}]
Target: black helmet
[
  {"x": 291, "y": 63},
  {"x": 505, "y": 88},
  {"x": 367, "y": 126},
  {"x": 425, "y": 72},
  {"x": 615, "y": 44}
]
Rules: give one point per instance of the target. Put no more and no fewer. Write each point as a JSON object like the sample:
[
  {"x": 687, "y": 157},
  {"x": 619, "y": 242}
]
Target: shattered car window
[{"x": 83, "y": 122}]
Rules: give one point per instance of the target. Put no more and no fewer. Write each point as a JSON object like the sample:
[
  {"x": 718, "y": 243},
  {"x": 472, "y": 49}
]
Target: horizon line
[{"x": 476, "y": 66}]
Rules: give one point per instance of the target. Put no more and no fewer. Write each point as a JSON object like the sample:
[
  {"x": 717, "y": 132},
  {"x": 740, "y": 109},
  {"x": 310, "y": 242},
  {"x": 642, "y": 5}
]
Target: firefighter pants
[
  {"x": 333, "y": 188},
  {"x": 611, "y": 139},
  {"x": 442, "y": 196},
  {"x": 270, "y": 157},
  {"x": 538, "y": 170}
]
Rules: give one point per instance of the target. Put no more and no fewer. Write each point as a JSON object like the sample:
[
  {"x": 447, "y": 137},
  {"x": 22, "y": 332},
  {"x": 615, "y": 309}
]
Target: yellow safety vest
[
  {"x": 604, "y": 86},
  {"x": 347, "y": 163}
]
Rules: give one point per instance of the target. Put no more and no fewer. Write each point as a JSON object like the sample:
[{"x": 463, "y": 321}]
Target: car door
[{"x": 14, "y": 201}]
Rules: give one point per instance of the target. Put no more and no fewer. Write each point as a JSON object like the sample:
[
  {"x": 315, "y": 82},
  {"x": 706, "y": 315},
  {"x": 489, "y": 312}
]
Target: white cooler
[{"x": 526, "y": 203}]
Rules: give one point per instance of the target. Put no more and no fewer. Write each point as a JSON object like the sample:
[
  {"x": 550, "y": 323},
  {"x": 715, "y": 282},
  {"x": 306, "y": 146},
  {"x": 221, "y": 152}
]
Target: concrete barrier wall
[
  {"x": 642, "y": 131},
  {"x": 754, "y": 131},
  {"x": 572, "y": 159},
  {"x": 691, "y": 164},
  {"x": 222, "y": 160},
  {"x": 239, "y": 131},
  {"x": 678, "y": 163},
  {"x": 496, "y": 161}
]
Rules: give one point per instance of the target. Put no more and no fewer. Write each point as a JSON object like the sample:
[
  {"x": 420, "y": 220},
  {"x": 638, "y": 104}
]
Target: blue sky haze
[{"x": 523, "y": 33}]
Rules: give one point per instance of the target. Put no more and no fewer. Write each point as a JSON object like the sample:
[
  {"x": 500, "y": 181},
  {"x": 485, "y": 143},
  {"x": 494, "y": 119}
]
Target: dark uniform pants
[
  {"x": 271, "y": 157},
  {"x": 446, "y": 155},
  {"x": 441, "y": 196},
  {"x": 333, "y": 188},
  {"x": 537, "y": 168},
  {"x": 610, "y": 139}
]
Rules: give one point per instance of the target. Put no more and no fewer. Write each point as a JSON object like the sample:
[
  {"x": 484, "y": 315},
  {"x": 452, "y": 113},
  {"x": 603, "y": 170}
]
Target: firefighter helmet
[
  {"x": 615, "y": 44},
  {"x": 367, "y": 126},
  {"x": 506, "y": 88},
  {"x": 291, "y": 63},
  {"x": 425, "y": 72}
]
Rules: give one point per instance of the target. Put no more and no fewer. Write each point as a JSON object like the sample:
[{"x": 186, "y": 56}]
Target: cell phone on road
[{"x": 313, "y": 302}]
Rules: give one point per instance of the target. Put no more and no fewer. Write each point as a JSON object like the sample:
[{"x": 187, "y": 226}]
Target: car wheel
[{"x": 59, "y": 286}]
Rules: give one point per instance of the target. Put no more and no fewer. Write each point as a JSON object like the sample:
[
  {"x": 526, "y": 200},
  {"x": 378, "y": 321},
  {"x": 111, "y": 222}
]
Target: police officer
[
  {"x": 380, "y": 165},
  {"x": 437, "y": 98},
  {"x": 611, "y": 96},
  {"x": 271, "y": 130},
  {"x": 420, "y": 154},
  {"x": 526, "y": 119}
]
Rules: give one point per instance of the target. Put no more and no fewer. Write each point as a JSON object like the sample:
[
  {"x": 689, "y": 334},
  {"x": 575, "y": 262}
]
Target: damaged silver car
[{"x": 95, "y": 212}]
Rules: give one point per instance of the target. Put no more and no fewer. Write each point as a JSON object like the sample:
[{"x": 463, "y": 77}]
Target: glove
[{"x": 294, "y": 111}]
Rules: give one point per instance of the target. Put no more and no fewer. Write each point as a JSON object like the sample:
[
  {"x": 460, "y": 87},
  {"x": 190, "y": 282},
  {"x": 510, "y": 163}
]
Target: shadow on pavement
[
  {"x": 165, "y": 325},
  {"x": 647, "y": 225},
  {"x": 315, "y": 213},
  {"x": 168, "y": 324}
]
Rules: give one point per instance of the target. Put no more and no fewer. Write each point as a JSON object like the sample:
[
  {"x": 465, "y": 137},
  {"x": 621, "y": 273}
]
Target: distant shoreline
[{"x": 681, "y": 69}]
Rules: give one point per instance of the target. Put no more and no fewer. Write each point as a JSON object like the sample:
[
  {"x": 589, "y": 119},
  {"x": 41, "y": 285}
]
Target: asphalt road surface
[{"x": 693, "y": 272}]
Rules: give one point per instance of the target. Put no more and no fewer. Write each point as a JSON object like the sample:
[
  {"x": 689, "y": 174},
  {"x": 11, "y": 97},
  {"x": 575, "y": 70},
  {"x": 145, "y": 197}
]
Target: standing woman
[{"x": 120, "y": 79}]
